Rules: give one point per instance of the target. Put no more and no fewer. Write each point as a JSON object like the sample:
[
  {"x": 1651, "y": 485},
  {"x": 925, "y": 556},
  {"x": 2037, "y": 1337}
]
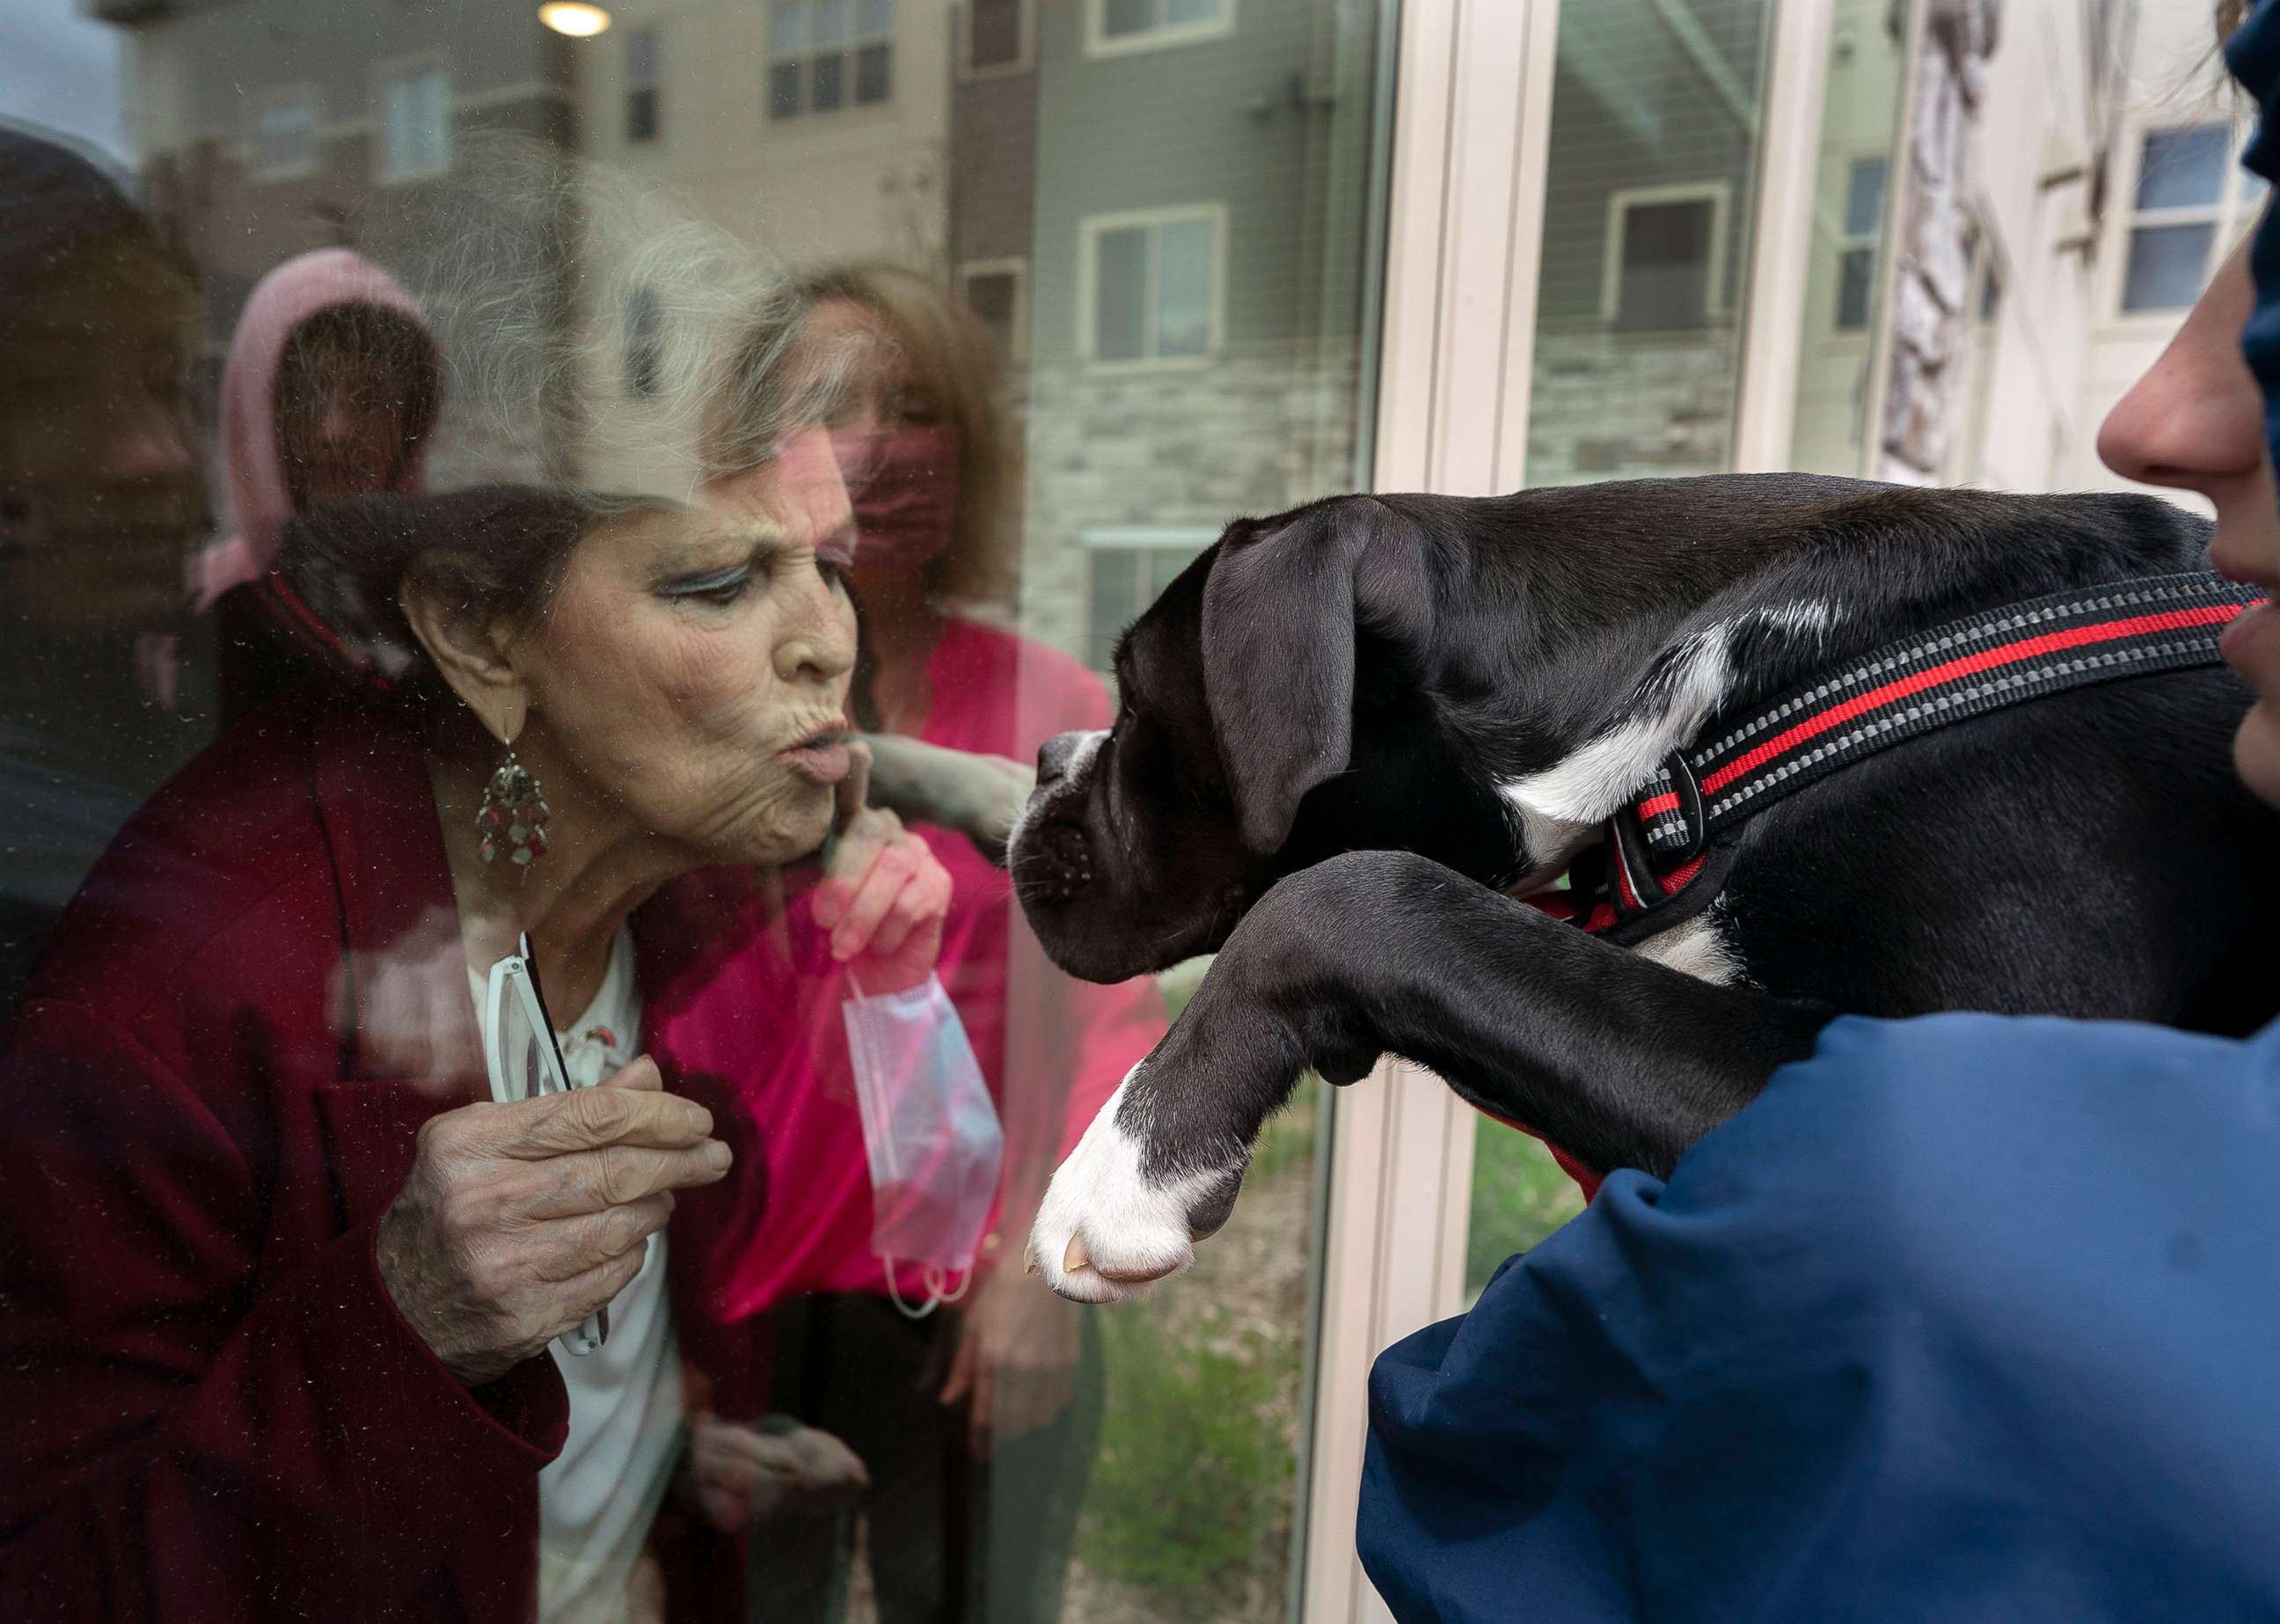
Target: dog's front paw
[{"x": 1107, "y": 1230}]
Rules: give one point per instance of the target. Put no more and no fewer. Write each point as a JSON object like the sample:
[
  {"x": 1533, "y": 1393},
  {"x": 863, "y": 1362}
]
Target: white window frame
[
  {"x": 1718, "y": 193},
  {"x": 1018, "y": 350},
  {"x": 1023, "y": 61},
  {"x": 2232, "y": 214},
  {"x": 298, "y": 94},
  {"x": 1090, "y": 231},
  {"x": 382, "y": 73},
  {"x": 1099, "y": 42}
]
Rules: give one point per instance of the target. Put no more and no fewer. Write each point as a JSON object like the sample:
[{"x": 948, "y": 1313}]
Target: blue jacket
[{"x": 1965, "y": 1319}]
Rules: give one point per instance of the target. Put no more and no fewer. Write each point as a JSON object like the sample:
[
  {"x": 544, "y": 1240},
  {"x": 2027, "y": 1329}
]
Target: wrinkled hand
[
  {"x": 1017, "y": 1356},
  {"x": 519, "y": 1220},
  {"x": 743, "y": 1473},
  {"x": 980, "y": 796},
  {"x": 882, "y": 896}
]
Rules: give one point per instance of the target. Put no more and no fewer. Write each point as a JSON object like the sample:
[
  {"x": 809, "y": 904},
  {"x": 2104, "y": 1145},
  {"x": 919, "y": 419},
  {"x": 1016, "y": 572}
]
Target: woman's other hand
[
  {"x": 882, "y": 896},
  {"x": 519, "y": 1221},
  {"x": 1016, "y": 1359},
  {"x": 743, "y": 1473}
]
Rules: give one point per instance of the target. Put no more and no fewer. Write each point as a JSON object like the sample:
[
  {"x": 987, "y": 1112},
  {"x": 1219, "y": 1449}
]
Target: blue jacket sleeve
[{"x": 1966, "y": 1318}]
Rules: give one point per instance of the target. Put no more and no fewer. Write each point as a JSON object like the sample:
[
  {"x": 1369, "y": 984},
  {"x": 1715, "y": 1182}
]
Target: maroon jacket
[{"x": 208, "y": 1407}]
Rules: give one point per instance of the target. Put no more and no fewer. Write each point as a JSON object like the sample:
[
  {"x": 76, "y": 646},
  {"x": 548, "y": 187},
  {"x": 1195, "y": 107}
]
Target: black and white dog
[{"x": 1351, "y": 737}]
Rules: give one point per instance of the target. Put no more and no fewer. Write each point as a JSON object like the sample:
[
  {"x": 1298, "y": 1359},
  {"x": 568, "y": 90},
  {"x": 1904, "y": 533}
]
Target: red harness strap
[{"x": 1647, "y": 871}]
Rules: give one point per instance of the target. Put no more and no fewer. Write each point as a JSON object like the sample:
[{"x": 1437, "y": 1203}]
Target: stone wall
[
  {"x": 1625, "y": 405},
  {"x": 1252, "y": 431}
]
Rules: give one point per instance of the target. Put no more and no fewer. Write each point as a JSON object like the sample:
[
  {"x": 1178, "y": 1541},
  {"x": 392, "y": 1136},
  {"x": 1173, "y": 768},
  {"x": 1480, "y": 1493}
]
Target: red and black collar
[{"x": 1664, "y": 856}]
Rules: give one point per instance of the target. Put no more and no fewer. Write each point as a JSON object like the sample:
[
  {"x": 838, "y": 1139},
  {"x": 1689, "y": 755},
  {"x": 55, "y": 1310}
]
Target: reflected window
[
  {"x": 2190, "y": 202},
  {"x": 1113, "y": 26},
  {"x": 415, "y": 117},
  {"x": 1151, "y": 284},
  {"x": 997, "y": 37},
  {"x": 285, "y": 142},
  {"x": 992, "y": 290},
  {"x": 1856, "y": 264},
  {"x": 1129, "y": 569},
  {"x": 826, "y": 54},
  {"x": 1664, "y": 245},
  {"x": 642, "y": 88}
]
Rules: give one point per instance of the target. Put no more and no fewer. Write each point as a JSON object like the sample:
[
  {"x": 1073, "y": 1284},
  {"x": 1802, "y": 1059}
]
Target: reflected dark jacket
[{"x": 213, "y": 1410}]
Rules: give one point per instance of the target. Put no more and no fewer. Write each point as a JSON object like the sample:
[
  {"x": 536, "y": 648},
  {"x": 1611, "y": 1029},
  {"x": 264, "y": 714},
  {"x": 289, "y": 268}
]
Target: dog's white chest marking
[
  {"x": 1685, "y": 688},
  {"x": 1696, "y": 948}
]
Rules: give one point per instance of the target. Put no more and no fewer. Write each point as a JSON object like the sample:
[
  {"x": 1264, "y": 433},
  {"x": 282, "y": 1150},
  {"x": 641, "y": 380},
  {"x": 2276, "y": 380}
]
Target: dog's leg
[{"x": 1622, "y": 1061}]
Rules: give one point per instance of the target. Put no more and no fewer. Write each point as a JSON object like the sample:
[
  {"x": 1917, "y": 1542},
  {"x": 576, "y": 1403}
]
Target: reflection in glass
[
  {"x": 2183, "y": 168},
  {"x": 2167, "y": 266}
]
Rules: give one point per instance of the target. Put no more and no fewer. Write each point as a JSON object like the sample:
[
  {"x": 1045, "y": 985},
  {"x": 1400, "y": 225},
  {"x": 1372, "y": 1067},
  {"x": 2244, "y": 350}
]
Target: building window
[
  {"x": 1856, "y": 256},
  {"x": 2192, "y": 201},
  {"x": 642, "y": 85},
  {"x": 285, "y": 142},
  {"x": 1116, "y": 26},
  {"x": 1129, "y": 569},
  {"x": 1665, "y": 256},
  {"x": 824, "y": 53},
  {"x": 1151, "y": 285},
  {"x": 994, "y": 290},
  {"x": 995, "y": 36},
  {"x": 644, "y": 344},
  {"x": 415, "y": 121}
]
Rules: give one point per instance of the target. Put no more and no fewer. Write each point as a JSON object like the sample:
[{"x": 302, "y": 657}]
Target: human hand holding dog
[{"x": 519, "y": 1220}]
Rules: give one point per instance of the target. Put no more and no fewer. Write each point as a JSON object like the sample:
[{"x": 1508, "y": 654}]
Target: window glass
[
  {"x": 2167, "y": 267},
  {"x": 875, "y": 396},
  {"x": 1183, "y": 301},
  {"x": 2183, "y": 168},
  {"x": 1864, "y": 197},
  {"x": 1666, "y": 249},
  {"x": 994, "y": 32},
  {"x": 1121, "y": 294}
]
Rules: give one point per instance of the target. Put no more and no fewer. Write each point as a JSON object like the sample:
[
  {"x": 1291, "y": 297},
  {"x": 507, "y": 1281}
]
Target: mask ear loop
[{"x": 934, "y": 1299}]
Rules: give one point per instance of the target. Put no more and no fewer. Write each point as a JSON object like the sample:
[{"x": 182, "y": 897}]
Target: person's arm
[{"x": 183, "y": 1410}]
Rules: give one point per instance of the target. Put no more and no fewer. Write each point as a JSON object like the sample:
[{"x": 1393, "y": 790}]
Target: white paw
[{"x": 1104, "y": 1232}]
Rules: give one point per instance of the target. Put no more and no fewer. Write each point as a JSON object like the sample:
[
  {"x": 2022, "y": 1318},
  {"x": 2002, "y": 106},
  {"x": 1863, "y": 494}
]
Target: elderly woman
[{"x": 282, "y": 1277}]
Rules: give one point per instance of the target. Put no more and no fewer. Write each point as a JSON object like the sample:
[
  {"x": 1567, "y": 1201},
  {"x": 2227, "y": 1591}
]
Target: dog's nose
[{"x": 1054, "y": 756}]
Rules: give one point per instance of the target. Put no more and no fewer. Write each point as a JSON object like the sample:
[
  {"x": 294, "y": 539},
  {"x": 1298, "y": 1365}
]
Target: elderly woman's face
[
  {"x": 693, "y": 673},
  {"x": 2195, "y": 421}
]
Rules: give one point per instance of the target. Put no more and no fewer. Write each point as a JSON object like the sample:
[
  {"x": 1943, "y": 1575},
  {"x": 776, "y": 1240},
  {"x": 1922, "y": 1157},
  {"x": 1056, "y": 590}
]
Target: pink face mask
[{"x": 905, "y": 488}]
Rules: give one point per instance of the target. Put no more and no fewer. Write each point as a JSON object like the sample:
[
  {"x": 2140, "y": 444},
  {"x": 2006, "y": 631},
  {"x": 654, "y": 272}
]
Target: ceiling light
[{"x": 574, "y": 17}]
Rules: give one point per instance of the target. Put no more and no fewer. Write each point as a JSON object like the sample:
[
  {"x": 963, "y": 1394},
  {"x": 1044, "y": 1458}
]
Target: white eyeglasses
[{"x": 525, "y": 1061}]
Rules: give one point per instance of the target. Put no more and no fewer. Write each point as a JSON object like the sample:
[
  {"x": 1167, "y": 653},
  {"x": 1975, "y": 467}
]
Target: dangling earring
[{"x": 514, "y": 810}]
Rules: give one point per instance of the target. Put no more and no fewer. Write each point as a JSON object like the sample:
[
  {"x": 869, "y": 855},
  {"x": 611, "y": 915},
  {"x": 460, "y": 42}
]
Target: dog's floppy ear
[{"x": 1282, "y": 606}]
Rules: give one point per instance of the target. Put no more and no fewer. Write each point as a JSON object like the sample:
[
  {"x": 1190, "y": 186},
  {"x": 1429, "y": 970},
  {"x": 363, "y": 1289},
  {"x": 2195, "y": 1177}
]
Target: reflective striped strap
[{"x": 1954, "y": 672}]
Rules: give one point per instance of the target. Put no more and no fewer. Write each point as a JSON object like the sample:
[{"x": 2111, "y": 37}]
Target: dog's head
[{"x": 1279, "y": 703}]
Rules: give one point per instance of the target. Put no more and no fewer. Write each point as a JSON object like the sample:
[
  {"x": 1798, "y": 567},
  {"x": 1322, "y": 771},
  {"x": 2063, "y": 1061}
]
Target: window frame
[
  {"x": 1017, "y": 352},
  {"x": 259, "y": 105},
  {"x": 1092, "y": 227},
  {"x": 2231, "y": 215},
  {"x": 1623, "y": 200},
  {"x": 1139, "y": 541},
  {"x": 849, "y": 51},
  {"x": 384, "y": 72},
  {"x": 1165, "y": 37},
  {"x": 1024, "y": 60}
]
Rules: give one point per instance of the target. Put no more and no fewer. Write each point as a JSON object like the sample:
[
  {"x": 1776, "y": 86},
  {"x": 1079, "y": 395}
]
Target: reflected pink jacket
[
  {"x": 1050, "y": 1048},
  {"x": 213, "y": 1410}
]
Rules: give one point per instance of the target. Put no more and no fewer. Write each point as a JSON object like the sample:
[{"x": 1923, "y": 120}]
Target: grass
[{"x": 1519, "y": 1196}]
